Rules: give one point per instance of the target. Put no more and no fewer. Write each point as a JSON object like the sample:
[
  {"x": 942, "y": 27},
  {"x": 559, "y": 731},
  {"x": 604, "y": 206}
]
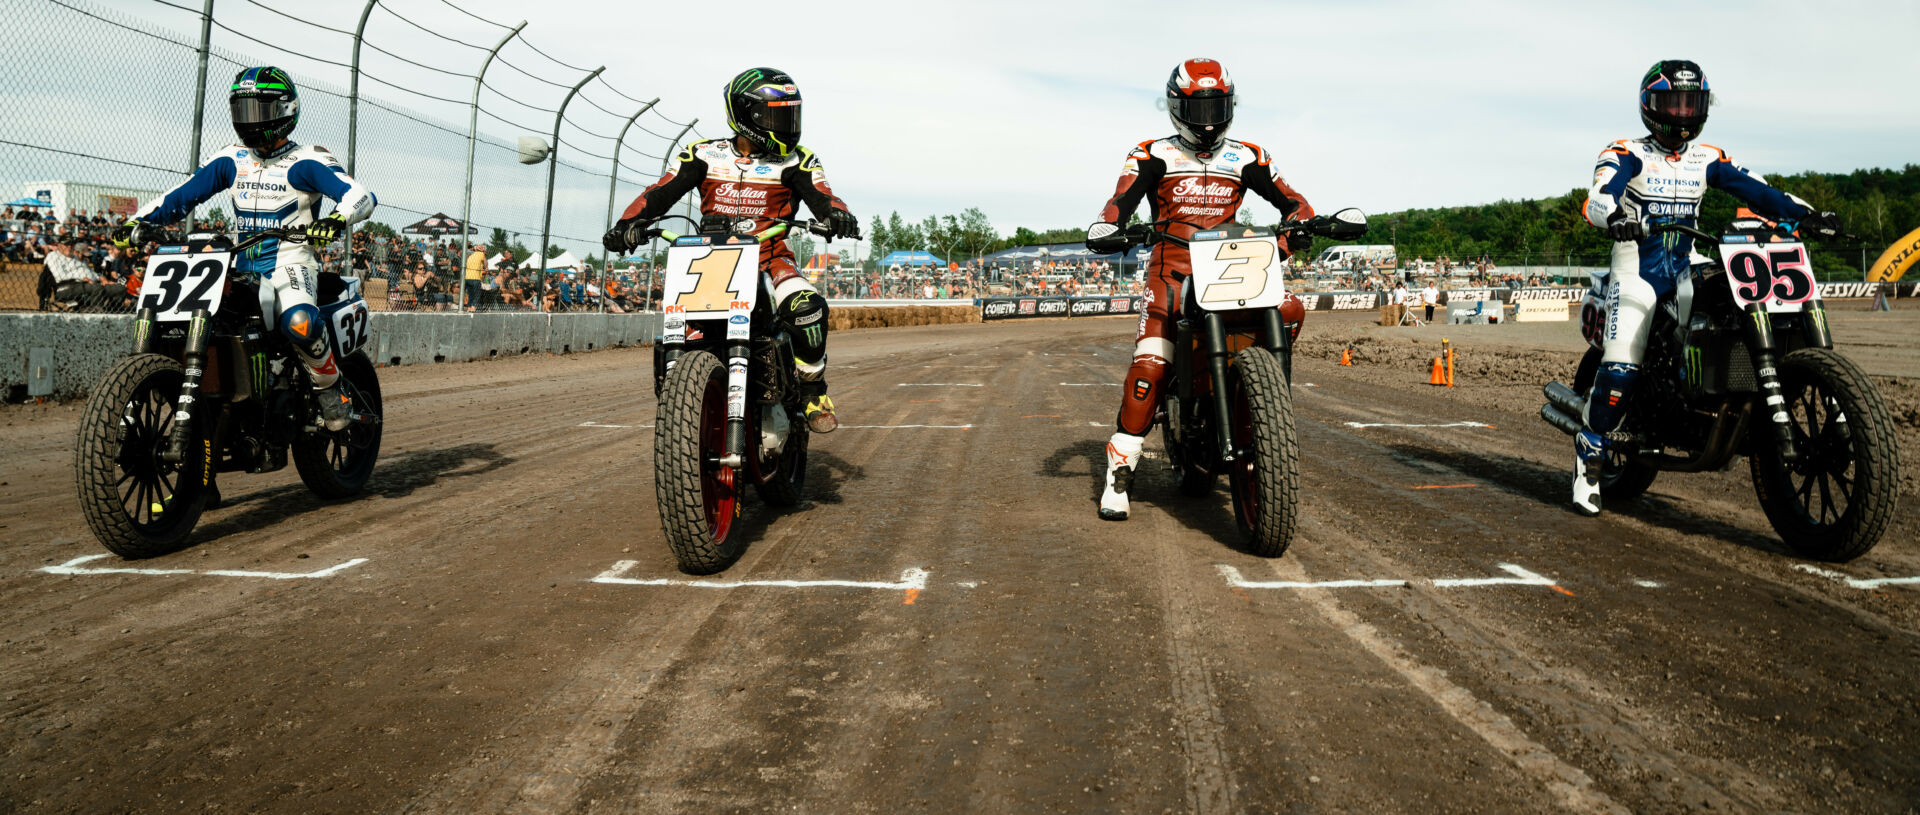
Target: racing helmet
[
  {"x": 763, "y": 106},
  {"x": 1200, "y": 103},
  {"x": 1674, "y": 100},
  {"x": 265, "y": 105}
]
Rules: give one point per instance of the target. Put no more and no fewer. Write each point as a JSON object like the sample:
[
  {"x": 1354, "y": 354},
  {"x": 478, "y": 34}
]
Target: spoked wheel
[
  {"x": 1835, "y": 502},
  {"x": 699, "y": 499},
  {"x": 337, "y": 464},
  {"x": 137, "y": 503},
  {"x": 781, "y": 477},
  {"x": 1265, "y": 480},
  {"x": 1622, "y": 477}
]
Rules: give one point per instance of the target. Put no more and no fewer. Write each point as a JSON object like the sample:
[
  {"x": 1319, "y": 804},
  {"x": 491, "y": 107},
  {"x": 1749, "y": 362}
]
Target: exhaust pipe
[
  {"x": 1566, "y": 424},
  {"x": 1563, "y": 397}
]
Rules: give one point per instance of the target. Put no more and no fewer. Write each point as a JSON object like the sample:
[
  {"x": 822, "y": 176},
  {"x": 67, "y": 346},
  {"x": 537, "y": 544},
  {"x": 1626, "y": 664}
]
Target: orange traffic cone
[
  {"x": 1346, "y": 357},
  {"x": 1439, "y": 375}
]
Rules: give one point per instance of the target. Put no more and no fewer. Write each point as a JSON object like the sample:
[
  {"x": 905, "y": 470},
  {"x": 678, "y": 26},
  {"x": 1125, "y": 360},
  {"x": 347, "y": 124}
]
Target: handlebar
[
  {"x": 779, "y": 227},
  {"x": 1150, "y": 233}
]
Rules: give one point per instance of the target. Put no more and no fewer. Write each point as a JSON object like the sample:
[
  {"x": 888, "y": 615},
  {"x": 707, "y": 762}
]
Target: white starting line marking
[
  {"x": 1858, "y": 582},
  {"x": 72, "y": 567},
  {"x": 910, "y": 580},
  {"x": 1449, "y": 424},
  {"x": 906, "y": 426},
  {"x": 616, "y": 426},
  {"x": 1521, "y": 577},
  {"x": 1089, "y": 384},
  {"x": 940, "y": 385}
]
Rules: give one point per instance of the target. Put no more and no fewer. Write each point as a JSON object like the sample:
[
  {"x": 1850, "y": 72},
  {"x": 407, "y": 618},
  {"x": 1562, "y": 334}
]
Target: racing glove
[
  {"x": 1105, "y": 239},
  {"x": 1623, "y": 227},
  {"x": 323, "y": 231},
  {"x": 1824, "y": 224},
  {"x": 129, "y": 233},
  {"x": 843, "y": 223},
  {"x": 1299, "y": 240}
]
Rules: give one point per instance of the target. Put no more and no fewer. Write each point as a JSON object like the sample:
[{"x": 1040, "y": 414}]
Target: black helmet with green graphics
[
  {"x": 265, "y": 105},
  {"x": 763, "y": 107},
  {"x": 1673, "y": 101}
]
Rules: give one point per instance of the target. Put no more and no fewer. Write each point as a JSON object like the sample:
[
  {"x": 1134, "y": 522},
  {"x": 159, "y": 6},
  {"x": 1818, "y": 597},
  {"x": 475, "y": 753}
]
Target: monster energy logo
[
  {"x": 1694, "y": 374},
  {"x": 259, "y": 373},
  {"x": 815, "y": 336}
]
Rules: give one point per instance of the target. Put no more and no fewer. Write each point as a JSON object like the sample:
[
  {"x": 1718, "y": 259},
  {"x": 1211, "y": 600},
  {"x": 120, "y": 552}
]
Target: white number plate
[
  {"x": 1236, "y": 269},
  {"x": 709, "y": 280},
  {"x": 1775, "y": 275},
  {"x": 177, "y": 285},
  {"x": 350, "y": 329}
]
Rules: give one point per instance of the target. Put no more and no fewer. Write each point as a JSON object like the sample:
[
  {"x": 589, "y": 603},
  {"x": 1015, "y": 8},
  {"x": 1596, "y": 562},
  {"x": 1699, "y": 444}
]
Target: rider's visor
[
  {"x": 1679, "y": 104},
  {"x": 1204, "y": 110},
  {"x": 249, "y": 110},
  {"x": 780, "y": 117}
]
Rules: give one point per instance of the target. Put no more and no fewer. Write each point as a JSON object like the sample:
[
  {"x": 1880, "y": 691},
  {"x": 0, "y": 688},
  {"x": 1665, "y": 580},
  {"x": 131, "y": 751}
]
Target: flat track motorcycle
[
  {"x": 210, "y": 388},
  {"x": 1740, "y": 362},
  {"x": 730, "y": 408},
  {"x": 1227, "y": 408}
]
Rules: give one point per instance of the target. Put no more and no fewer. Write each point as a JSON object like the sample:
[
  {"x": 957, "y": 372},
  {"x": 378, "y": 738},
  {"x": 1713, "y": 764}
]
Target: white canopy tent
[{"x": 565, "y": 260}]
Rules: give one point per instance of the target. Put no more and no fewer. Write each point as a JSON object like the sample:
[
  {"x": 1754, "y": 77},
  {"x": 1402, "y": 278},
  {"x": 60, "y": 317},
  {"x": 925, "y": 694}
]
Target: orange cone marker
[
  {"x": 1346, "y": 357},
  {"x": 1439, "y": 376}
]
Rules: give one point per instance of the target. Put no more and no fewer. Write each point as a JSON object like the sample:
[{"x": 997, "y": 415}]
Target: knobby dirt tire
[
  {"x": 1866, "y": 437},
  {"x": 100, "y": 453},
  {"x": 1624, "y": 478},
  {"x": 1268, "y": 513},
  {"x": 683, "y": 439},
  {"x": 336, "y": 465}
]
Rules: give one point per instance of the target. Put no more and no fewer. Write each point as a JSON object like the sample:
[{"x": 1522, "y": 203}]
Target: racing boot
[
  {"x": 1123, "y": 458},
  {"x": 336, "y": 410},
  {"x": 820, "y": 418},
  {"x": 1589, "y": 457}
]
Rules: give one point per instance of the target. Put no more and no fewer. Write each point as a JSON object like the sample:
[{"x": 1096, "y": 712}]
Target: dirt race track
[{"x": 442, "y": 645}]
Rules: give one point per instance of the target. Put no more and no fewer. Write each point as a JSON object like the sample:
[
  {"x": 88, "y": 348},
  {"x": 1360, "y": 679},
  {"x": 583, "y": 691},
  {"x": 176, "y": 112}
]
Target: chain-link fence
[{"x": 415, "y": 96}]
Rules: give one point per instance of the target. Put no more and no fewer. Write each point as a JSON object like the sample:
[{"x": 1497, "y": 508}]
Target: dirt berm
[{"x": 845, "y": 317}]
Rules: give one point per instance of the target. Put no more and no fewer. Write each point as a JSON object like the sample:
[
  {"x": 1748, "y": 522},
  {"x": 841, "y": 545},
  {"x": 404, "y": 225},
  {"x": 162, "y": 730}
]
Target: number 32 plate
[
  {"x": 177, "y": 285},
  {"x": 1236, "y": 269}
]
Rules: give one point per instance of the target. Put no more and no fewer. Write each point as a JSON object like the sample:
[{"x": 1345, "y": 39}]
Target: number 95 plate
[{"x": 1236, "y": 268}]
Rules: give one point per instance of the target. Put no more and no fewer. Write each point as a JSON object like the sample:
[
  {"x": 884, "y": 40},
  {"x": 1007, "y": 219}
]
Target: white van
[{"x": 1340, "y": 258}]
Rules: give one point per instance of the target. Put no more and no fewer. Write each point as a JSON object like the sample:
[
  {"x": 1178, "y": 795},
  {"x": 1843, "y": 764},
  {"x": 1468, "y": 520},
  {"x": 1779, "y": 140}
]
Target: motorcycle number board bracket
[
  {"x": 179, "y": 282},
  {"x": 1236, "y": 268},
  {"x": 710, "y": 278},
  {"x": 1776, "y": 276}
]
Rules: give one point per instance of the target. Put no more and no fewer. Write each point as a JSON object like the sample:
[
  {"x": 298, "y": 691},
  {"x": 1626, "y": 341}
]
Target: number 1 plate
[
  {"x": 706, "y": 280},
  {"x": 1236, "y": 269},
  {"x": 177, "y": 285}
]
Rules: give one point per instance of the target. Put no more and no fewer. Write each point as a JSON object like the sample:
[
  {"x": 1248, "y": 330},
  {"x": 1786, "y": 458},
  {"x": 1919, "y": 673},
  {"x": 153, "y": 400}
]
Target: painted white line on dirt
[
  {"x": 906, "y": 426},
  {"x": 1449, "y": 424},
  {"x": 1858, "y": 582},
  {"x": 612, "y": 426},
  {"x": 1521, "y": 577},
  {"x": 1089, "y": 384},
  {"x": 1649, "y": 584},
  {"x": 1569, "y": 785},
  {"x": 72, "y": 567},
  {"x": 910, "y": 579},
  {"x": 939, "y": 385}
]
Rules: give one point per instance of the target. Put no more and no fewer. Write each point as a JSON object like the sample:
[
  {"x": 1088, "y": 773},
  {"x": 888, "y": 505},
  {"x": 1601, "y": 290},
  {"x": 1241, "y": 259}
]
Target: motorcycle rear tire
[
  {"x": 1624, "y": 478},
  {"x": 699, "y": 503},
  {"x": 337, "y": 464},
  {"x": 787, "y": 484},
  {"x": 1266, "y": 489},
  {"x": 120, "y": 426},
  {"x": 1866, "y": 441}
]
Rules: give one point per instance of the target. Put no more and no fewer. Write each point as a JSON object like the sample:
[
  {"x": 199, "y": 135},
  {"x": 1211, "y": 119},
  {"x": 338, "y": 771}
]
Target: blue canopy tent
[
  {"x": 912, "y": 258},
  {"x": 29, "y": 202},
  {"x": 1062, "y": 251}
]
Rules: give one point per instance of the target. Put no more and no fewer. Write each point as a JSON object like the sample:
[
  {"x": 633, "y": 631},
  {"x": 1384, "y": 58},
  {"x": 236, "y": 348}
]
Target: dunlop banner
[{"x": 1896, "y": 260}]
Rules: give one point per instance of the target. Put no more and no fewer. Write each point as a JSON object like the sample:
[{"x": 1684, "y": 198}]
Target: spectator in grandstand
[
  {"x": 1430, "y": 296},
  {"x": 72, "y": 281},
  {"x": 476, "y": 267}
]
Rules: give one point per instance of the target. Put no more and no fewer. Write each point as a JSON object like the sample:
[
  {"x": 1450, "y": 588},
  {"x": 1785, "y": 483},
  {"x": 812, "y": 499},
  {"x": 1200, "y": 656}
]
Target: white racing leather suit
[{"x": 281, "y": 190}]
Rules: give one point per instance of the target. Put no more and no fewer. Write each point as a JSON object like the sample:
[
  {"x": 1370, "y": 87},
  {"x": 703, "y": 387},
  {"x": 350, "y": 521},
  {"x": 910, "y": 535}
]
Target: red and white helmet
[{"x": 1200, "y": 103}]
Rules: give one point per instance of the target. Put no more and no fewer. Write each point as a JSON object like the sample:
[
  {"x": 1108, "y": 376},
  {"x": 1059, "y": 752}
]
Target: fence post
[
  {"x": 200, "y": 88},
  {"x": 466, "y": 206},
  {"x": 672, "y": 148},
  {"x": 353, "y": 86},
  {"x": 553, "y": 168},
  {"x": 613, "y": 187}
]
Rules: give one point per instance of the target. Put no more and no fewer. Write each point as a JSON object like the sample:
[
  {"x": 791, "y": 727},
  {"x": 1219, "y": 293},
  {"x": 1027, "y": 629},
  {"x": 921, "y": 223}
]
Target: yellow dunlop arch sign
[{"x": 1898, "y": 258}]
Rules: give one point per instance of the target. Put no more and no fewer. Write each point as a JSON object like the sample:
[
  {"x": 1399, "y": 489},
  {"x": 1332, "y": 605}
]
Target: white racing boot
[
  {"x": 1123, "y": 458},
  {"x": 1589, "y": 454}
]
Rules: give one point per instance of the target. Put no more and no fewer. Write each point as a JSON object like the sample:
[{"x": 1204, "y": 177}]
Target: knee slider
[
  {"x": 301, "y": 324},
  {"x": 805, "y": 313}
]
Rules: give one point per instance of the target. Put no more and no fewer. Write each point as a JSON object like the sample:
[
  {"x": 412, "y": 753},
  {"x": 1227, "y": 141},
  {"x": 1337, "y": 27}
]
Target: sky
[{"x": 1027, "y": 109}]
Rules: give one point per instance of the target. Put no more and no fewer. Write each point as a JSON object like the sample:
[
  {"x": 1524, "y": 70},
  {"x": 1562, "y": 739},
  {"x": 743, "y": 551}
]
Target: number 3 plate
[
  {"x": 177, "y": 285},
  {"x": 1775, "y": 275},
  {"x": 1236, "y": 269}
]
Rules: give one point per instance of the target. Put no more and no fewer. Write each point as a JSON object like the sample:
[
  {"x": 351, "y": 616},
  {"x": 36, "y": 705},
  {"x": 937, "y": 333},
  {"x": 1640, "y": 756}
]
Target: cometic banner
[{"x": 1009, "y": 308}]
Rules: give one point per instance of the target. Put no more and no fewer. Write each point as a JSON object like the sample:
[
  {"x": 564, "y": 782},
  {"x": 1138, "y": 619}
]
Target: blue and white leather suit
[
  {"x": 1645, "y": 181},
  {"x": 278, "y": 190}
]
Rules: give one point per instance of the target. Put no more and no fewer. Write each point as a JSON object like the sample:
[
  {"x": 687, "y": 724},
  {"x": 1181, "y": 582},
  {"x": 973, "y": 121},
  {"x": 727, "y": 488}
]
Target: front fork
[
  {"x": 1766, "y": 366},
  {"x": 738, "y": 355},
  {"x": 1217, "y": 366},
  {"x": 195, "y": 361}
]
